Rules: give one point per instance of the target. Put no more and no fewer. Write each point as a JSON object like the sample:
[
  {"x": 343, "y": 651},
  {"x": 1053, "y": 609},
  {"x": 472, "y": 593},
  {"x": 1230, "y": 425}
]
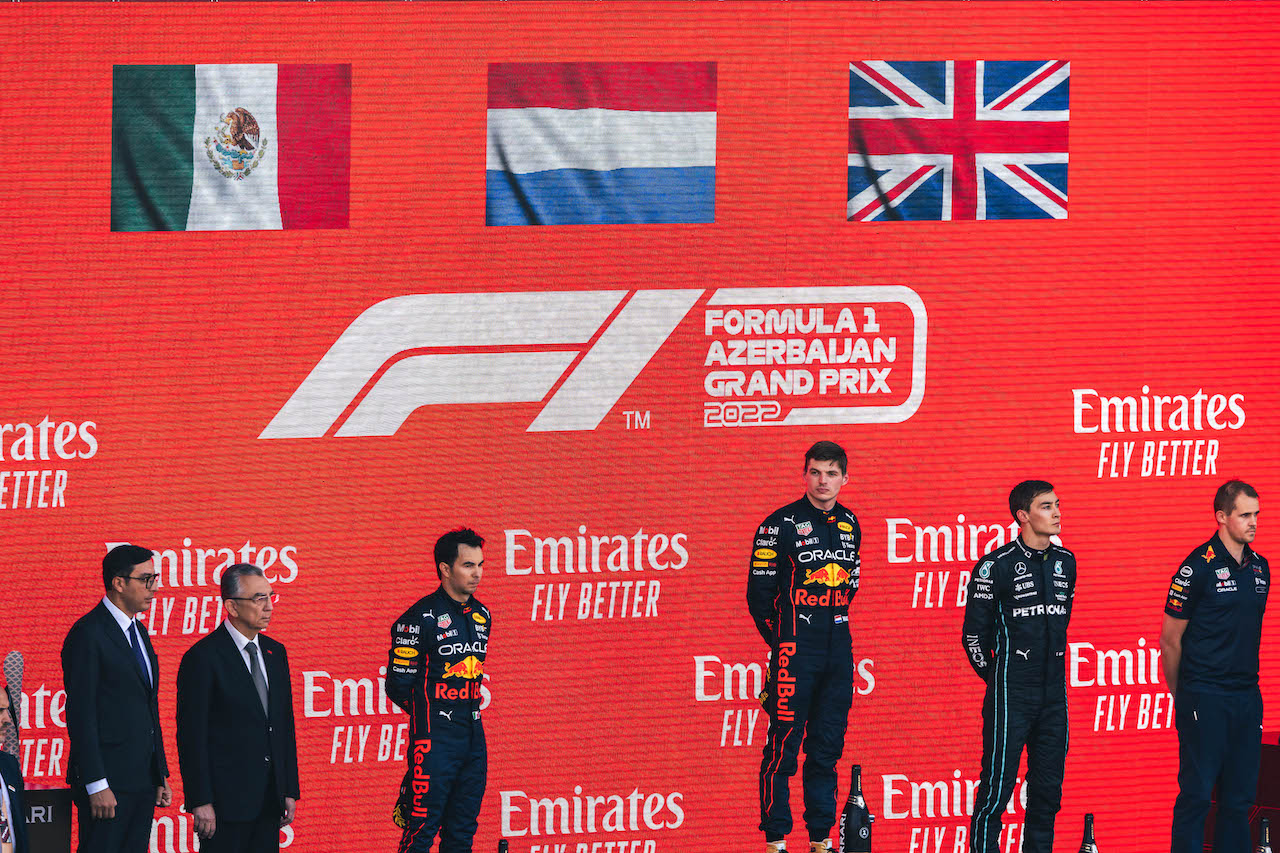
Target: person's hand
[
  {"x": 206, "y": 820},
  {"x": 290, "y": 806},
  {"x": 164, "y": 794},
  {"x": 102, "y": 805}
]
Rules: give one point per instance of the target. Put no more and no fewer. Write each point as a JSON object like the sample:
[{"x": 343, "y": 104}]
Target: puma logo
[
  {"x": 448, "y": 715},
  {"x": 1026, "y": 654},
  {"x": 808, "y": 617}
]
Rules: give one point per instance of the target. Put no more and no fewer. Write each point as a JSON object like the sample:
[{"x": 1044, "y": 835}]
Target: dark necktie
[
  {"x": 138, "y": 654},
  {"x": 255, "y": 672}
]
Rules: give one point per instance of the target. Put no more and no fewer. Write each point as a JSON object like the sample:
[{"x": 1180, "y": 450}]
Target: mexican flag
[{"x": 230, "y": 147}]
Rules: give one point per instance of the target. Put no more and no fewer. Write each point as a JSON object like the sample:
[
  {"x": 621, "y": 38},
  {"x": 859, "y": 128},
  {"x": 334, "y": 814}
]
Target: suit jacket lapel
[
  {"x": 234, "y": 658},
  {"x": 117, "y": 638}
]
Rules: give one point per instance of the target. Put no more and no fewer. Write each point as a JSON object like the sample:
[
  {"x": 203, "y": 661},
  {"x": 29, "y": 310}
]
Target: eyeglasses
[
  {"x": 149, "y": 581},
  {"x": 259, "y": 599}
]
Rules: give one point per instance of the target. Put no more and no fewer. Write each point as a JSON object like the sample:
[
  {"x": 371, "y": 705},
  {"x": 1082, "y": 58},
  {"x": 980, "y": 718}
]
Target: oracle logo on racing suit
[
  {"x": 848, "y": 555},
  {"x": 464, "y": 648}
]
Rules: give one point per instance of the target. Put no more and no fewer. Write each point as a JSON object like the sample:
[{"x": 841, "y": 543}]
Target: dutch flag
[{"x": 601, "y": 142}]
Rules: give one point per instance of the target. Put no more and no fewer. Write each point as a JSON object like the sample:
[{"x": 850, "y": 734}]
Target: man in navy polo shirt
[{"x": 1209, "y": 649}]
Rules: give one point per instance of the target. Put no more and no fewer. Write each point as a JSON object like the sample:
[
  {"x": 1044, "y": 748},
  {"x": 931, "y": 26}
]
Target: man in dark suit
[
  {"x": 236, "y": 742},
  {"x": 116, "y": 769},
  {"x": 13, "y": 808}
]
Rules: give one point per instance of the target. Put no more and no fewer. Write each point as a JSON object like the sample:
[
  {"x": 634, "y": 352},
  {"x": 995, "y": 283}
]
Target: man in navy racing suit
[
  {"x": 1015, "y": 635},
  {"x": 435, "y": 673},
  {"x": 804, "y": 570}
]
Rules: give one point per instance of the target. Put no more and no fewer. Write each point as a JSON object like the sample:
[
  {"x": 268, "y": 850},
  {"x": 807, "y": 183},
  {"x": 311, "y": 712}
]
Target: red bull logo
[
  {"x": 467, "y": 692},
  {"x": 831, "y": 575},
  {"x": 830, "y": 598},
  {"x": 468, "y": 667},
  {"x": 786, "y": 683},
  {"x": 420, "y": 781}
]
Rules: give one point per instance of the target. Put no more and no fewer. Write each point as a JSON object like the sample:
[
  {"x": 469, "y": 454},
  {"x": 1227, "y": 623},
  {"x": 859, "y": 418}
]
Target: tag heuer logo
[
  {"x": 804, "y": 528},
  {"x": 236, "y": 148}
]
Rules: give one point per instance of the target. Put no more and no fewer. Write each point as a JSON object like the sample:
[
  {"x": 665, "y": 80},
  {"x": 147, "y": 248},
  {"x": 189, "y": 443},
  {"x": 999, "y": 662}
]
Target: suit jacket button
[{"x": 270, "y": 729}]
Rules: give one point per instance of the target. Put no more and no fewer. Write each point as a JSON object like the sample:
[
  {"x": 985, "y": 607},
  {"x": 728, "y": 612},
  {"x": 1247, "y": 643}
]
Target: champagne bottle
[
  {"x": 1088, "y": 845},
  {"x": 855, "y": 820},
  {"x": 1264, "y": 843},
  {"x": 502, "y": 846}
]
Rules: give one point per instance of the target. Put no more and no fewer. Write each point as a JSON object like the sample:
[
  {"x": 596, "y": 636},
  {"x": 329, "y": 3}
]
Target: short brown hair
[
  {"x": 828, "y": 451},
  {"x": 1224, "y": 500}
]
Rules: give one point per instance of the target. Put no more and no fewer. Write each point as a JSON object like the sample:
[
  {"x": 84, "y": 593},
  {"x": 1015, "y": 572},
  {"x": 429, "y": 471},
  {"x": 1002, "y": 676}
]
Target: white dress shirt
[
  {"x": 7, "y": 805},
  {"x": 241, "y": 642}
]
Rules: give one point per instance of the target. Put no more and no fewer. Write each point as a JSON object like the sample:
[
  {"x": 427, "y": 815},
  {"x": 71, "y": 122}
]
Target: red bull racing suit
[
  {"x": 1015, "y": 634},
  {"x": 435, "y": 673},
  {"x": 804, "y": 570}
]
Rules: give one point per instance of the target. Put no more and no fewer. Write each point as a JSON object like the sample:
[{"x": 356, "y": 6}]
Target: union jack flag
[{"x": 960, "y": 139}]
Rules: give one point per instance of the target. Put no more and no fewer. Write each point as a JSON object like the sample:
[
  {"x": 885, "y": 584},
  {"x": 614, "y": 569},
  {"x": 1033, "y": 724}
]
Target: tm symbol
[{"x": 637, "y": 420}]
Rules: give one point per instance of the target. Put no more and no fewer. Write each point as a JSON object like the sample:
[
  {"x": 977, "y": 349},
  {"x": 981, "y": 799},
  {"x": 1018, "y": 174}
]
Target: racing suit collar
[
  {"x": 1220, "y": 550},
  {"x": 824, "y": 514},
  {"x": 453, "y": 604},
  {"x": 1028, "y": 550}
]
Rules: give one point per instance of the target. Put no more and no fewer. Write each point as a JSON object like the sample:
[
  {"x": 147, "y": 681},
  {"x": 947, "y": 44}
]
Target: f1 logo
[
  {"x": 444, "y": 323},
  {"x": 587, "y": 346}
]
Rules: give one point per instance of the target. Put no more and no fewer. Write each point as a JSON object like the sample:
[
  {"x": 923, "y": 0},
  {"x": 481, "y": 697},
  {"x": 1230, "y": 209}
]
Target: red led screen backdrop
[{"x": 270, "y": 315}]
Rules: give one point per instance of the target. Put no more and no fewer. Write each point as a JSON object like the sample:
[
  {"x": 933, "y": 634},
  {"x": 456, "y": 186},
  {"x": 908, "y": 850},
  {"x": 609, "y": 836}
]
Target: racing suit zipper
[{"x": 1045, "y": 581}]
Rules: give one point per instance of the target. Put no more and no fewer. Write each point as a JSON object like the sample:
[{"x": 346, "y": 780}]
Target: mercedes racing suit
[
  {"x": 435, "y": 673},
  {"x": 1015, "y": 635},
  {"x": 804, "y": 570}
]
